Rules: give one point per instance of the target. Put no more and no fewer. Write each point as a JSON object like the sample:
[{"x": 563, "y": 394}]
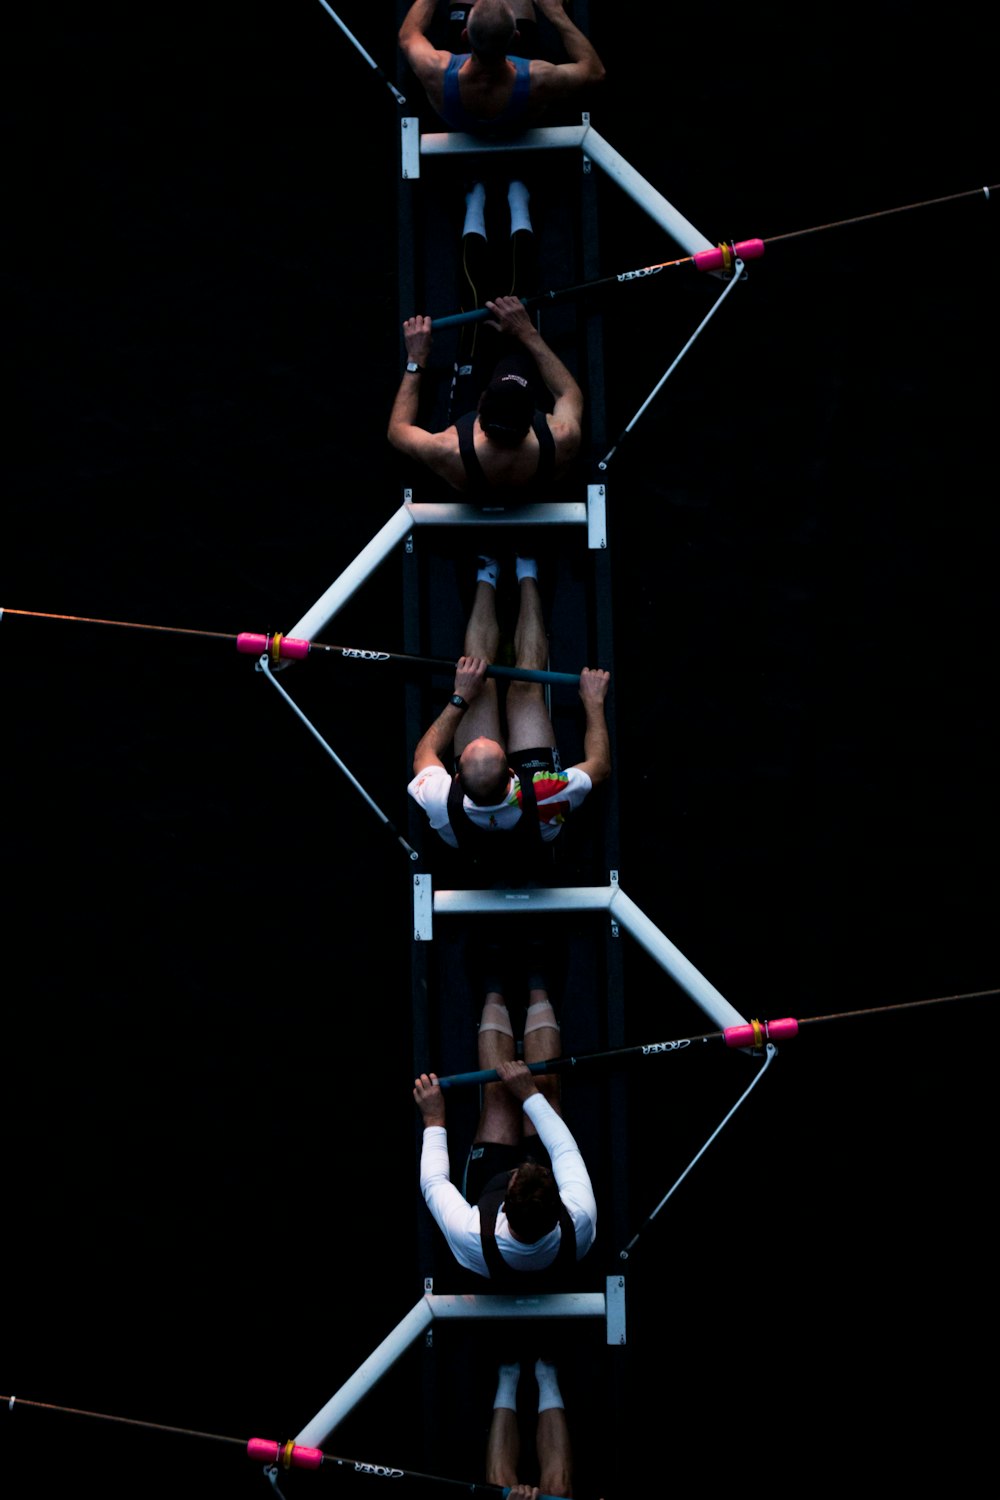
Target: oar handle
[
  {"x": 529, "y": 674},
  {"x": 453, "y": 320},
  {"x": 477, "y": 315},
  {"x": 490, "y": 1075}
]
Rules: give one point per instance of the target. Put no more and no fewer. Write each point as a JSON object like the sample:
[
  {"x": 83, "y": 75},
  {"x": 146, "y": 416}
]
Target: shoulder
[
  {"x": 431, "y": 783},
  {"x": 435, "y": 448},
  {"x": 550, "y": 80},
  {"x": 427, "y": 61}
]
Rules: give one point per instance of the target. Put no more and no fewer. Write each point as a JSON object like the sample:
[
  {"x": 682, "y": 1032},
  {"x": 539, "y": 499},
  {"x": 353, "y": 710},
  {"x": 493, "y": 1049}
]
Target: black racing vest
[
  {"x": 489, "y": 1207},
  {"x": 515, "y": 854},
  {"x": 478, "y": 487}
]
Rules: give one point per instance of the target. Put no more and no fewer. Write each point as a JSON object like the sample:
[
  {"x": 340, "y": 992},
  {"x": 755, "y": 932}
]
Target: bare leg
[
  {"x": 528, "y": 721},
  {"x": 542, "y": 1041},
  {"x": 555, "y": 1458},
  {"x": 503, "y": 1448},
  {"x": 502, "y": 1119},
  {"x": 482, "y": 638}
]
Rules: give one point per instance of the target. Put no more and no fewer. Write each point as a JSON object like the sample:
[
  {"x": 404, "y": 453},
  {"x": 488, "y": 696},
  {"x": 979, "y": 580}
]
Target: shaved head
[
  {"x": 491, "y": 29},
  {"x": 482, "y": 771}
]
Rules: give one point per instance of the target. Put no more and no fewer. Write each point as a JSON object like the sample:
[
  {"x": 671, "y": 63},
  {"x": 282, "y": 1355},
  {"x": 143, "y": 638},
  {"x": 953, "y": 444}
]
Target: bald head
[
  {"x": 491, "y": 29},
  {"x": 482, "y": 771}
]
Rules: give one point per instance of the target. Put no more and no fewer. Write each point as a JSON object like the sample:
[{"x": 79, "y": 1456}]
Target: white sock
[
  {"x": 526, "y": 568},
  {"x": 549, "y": 1394},
  {"x": 475, "y": 210},
  {"x": 517, "y": 199},
  {"x": 506, "y": 1395},
  {"x": 489, "y": 571}
]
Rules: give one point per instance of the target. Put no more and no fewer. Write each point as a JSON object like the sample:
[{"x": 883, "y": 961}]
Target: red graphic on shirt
[{"x": 548, "y": 785}]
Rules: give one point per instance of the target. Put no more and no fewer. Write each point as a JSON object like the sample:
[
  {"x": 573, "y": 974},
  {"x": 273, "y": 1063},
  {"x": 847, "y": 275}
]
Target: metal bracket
[
  {"x": 614, "y": 1296},
  {"x": 409, "y": 128},
  {"x": 597, "y": 521},
  {"x": 423, "y": 909},
  {"x": 613, "y": 881}
]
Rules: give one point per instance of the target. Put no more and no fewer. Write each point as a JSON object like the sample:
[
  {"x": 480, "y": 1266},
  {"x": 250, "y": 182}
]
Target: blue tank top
[{"x": 457, "y": 117}]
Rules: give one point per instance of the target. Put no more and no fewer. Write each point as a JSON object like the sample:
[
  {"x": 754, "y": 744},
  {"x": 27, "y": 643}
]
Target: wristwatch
[
  {"x": 457, "y": 701},
  {"x": 412, "y": 368}
]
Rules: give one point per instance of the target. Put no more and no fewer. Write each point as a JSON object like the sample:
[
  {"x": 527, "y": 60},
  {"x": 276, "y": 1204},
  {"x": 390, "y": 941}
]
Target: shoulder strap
[
  {"x": 463, "y": 830},
  {"x": 489, "y": 1207}
]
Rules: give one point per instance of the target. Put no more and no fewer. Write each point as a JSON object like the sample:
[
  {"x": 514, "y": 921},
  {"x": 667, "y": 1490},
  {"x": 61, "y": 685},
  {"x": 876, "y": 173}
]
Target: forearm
[
  {"x": 435, "y": 742},
  {"x": 551, "y": 368},
  {"x": 596, "y": 743},
  {"x": 577, "y": 47},
  {"x": 405, "y": 407},
  {"x": 417, "y": 19}
]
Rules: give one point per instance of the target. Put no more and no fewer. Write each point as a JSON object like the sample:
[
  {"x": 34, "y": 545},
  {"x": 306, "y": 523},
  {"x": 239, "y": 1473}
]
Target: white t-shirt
[
  {"x": 458, "y": 1220},
  {"x": 556, "y": 793}
]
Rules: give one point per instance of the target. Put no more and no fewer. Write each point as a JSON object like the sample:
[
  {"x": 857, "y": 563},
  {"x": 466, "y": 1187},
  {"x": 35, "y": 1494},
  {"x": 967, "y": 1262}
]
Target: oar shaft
[
  {"x": 513, "y": 674},
  {"x": 559, "y": 1064},
  {"x": 476, "y": 315}
]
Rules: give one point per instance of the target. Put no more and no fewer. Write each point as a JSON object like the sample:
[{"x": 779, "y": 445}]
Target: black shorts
[
  {"x": 544, "y": 758},
  {"x": 490, "y": 1164}
]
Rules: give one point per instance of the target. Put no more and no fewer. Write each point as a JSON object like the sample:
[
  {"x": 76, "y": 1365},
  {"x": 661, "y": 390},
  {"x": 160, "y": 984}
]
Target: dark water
[{"x": 209, "y": 1139}]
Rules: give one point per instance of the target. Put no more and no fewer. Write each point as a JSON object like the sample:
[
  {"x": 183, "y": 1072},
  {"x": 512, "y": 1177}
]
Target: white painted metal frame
[
  {"x": 621, "y": 909},
  {"x": 409, "y": 516},
  {"x": 581, "y": 137},
  {"x": 450, "y": 1308}
]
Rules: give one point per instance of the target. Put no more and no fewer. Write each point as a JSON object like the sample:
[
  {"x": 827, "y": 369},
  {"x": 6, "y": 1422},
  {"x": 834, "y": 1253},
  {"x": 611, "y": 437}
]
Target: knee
[{"x": 556, "y": 1480}]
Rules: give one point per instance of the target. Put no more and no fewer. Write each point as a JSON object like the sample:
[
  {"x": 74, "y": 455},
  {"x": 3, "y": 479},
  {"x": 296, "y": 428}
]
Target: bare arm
[
  {"x": 511, "y": 317},
  {"x": 551, "y": 80},
  {"x": 425, "y": 60},
  {"x": 470, "y": 674},
  {"x": 596, "y": 761},
  {"x": 432, "y": 448}
]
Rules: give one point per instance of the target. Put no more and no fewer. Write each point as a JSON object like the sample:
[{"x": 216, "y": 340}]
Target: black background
[{"x": 206, "y": 1005}]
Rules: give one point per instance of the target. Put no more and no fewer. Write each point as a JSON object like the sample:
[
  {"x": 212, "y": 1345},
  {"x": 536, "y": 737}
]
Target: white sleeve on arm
[
  {"x": 457, "y": 1220},
  {"x": 568, "y": 1169}
]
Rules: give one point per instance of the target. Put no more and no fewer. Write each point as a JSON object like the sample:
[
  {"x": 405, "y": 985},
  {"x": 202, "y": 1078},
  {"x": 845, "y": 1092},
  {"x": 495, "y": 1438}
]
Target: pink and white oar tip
[
  {"x": 288, "y": 1455},
  {"x": 759, "y": 1032},
  {"x": 723, "y": 256},
  {"x": 277, "y": 647}
]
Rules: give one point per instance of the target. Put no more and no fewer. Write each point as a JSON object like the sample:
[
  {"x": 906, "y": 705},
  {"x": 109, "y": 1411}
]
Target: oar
[
  {"x": 722, "y": 258},
  {"x": 289, "y": 648},
  {"x": 289, "y": 1455},
  {"x": 755, "y": 1035}
]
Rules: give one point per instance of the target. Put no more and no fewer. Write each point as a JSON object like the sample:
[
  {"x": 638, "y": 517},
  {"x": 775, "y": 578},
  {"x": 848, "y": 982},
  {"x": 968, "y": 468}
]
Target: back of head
[
  {"x": 506, "y": 408},
  {"x": 531, "y": 1202},
  {"x": 491, "y": 29},
  {"x": 482, "y": 772}
]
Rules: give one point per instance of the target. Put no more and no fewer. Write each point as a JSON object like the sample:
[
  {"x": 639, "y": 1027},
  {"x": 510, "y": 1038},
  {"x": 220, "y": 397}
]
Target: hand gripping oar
[
  {"x": 289, "y": 1455},
  {"x": 399, "y": 98},
  {"x": 289, "y": 648}
]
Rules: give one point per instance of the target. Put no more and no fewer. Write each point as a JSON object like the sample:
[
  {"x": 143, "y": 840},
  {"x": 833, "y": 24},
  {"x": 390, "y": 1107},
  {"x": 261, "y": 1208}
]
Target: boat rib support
[{"x": 621, "y": 908}]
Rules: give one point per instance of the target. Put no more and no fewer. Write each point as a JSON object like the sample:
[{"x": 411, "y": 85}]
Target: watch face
[{"x": 412, "y": 367}]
